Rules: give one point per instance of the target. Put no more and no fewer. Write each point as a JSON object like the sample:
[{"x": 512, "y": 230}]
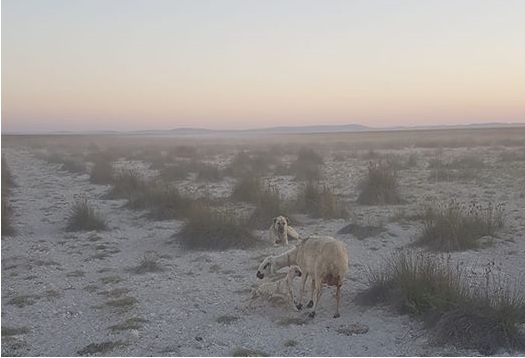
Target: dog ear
[
  {"x": 274, "y": 220},
  {"x": 287, "y": 220}
]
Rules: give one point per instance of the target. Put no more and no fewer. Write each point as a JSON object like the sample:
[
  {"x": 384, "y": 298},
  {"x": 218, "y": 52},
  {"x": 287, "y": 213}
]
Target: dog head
[{"x": 280, "y": 223}]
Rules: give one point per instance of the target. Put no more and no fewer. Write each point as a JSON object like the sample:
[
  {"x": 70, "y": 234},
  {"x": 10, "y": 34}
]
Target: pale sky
[{"x": 155, "y": 64}]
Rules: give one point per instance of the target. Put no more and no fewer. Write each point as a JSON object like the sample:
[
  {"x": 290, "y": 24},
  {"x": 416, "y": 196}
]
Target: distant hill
[{"x": 355, "y": 127}]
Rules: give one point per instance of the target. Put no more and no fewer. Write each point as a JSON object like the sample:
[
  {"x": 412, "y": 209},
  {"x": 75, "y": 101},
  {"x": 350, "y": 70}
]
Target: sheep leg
[
  {"x": 316, "y": 297},
  {"x": 311, "y": 303},
  {"x": 301, "y": 294},
  {"x": 337, "y": 300}
]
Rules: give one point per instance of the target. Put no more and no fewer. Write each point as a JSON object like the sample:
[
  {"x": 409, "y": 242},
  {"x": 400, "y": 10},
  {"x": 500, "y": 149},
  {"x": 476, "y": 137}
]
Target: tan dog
[{"x": 280, "y": 231}]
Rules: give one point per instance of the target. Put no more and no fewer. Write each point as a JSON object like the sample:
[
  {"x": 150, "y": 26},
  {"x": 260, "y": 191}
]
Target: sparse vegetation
[
  {"x": 245, "y": 352},
  {"x": 125, "y": 302},
  {"x": 207, "y": 172},
  {"x": 127, "y": 183},
  {"x": 83, "y": 217},
  {"x": 289, "y": 321},
  {"x": 268, "y": 205},
  {"x": 248, "y": 164},
  {"x": 23, "y": 300},
  {"x": 7, "y": 226},
  {"x": 100, "y": 348},
  {"x": 132, "y": 323},
  {"x": 149, "y": 263},
  {"x": 465, "y": 168},
  {"x": 379, "y": 186},
  {"x": 454, "y": 226},
  {"x": 175, "y": 171},
  {"x": 248, "y": 189},
  {"x": 162, "y": 200},
  {"x": 320, "y": 201},
  {"x": 73, "y": 165},
  {"x": 102, "y": 172},
  {"x": 7, "y": 183},
  {"x": 362, "y": 231},
  {"x": 484, "y": 318},
  {"x": 290, "y": 343},
  {"x": 308, "y": 165},
  {"x": 7, "y": 177},
  {"x": 12, "y": 331},
  {"x": 227, "y": 319},
  {"x": 207, "y": 228}
]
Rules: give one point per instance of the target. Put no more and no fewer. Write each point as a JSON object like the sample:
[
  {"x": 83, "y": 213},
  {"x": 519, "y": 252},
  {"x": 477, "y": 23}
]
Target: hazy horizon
[{"x": 76, "y": 65}]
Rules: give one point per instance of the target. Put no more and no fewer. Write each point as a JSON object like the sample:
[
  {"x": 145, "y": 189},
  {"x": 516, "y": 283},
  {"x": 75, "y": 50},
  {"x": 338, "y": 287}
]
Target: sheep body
[{"x": 323, "y": 258}]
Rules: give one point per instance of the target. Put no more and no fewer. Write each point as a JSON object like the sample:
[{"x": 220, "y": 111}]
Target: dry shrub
[
  {"x": 484, "y": 318},
  {"x": 161, "y": 200},
  {"x": 149, "y": 263},
  {"x": 361, "y": 231},
  {"x": 7, "y": 177},
  {"x": 83, "y": 217},
  {"x": 185, "y": 151},
  {"x": 458, "y": 226},
  {"x": 465, "y": 168},
  {"x": 512, "y": 156},
  {"x": 248, "y": 189},
  {"x": 308, "y": 165},
  {"x": 267, "y": 206},
  {"x": 127, "y": 183},
  {"x": 320, "y": 201},
  {"x": 208, "y": 172},
  {"x": 179, "y": 170},
  {"x": 379, "y": 186},
  {"x": 210, "y": 229},
  {"x": 246, "y": 164},
  {"x": 73, "y": 165},
  {"x": 102, "y": 172},
  {"x": 7, "y": 183},
  {"x": 7, "y": 225}
]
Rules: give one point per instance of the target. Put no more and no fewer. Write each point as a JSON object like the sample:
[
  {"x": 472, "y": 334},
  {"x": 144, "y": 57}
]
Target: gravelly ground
[{"x": 58, "y": 285}]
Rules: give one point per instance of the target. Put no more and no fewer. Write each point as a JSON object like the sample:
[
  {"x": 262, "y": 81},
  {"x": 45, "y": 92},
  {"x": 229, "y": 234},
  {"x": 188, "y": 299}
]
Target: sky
[{"x": 232, "y": 64}]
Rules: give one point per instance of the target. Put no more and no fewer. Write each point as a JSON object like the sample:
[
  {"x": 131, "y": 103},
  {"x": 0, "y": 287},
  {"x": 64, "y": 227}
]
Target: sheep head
[{"x": 267, "y": 267}]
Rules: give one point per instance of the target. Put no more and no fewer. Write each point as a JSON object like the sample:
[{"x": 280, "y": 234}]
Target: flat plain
[{"x": 150, "y": 280}]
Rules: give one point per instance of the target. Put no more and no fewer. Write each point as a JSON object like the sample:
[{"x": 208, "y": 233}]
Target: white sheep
[
  {"x": 281, "y": 288},
  {"x": 323, "y": 258},
  {"x": 280, "y": 231}
]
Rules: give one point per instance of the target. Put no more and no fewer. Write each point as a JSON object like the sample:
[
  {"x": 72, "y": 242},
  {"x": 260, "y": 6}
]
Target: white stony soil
[{"x": 63, "y": 281}]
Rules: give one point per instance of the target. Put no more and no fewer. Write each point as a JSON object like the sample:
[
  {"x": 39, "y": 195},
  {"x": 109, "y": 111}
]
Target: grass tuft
[
  {"x": 102, "y": 172},
  {"x": 208, "y": 229},
  {"x": 163, "y": 201},
  {"x": 268, "y": 205},
  {"x": 132, "y": 323},
  {"x": 248, "y": 189},
  {"x": 379, "y": 186},
  {"x": 320, "y": 201},
  {"x": 83, "y": 217},
  {"x": 245, "y": 352},
  {"x": 486, "y": 317},
  {"x": 127, "y": 183},
  {"x": 307, "y": 165},
  {"x": 100, "y": 348},
  {"x": 149, "y": 263},
  {"x": 454, "y": 226}
]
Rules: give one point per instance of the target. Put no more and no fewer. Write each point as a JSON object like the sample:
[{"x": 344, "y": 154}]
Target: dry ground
[{"x": 66, "y": 293}]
